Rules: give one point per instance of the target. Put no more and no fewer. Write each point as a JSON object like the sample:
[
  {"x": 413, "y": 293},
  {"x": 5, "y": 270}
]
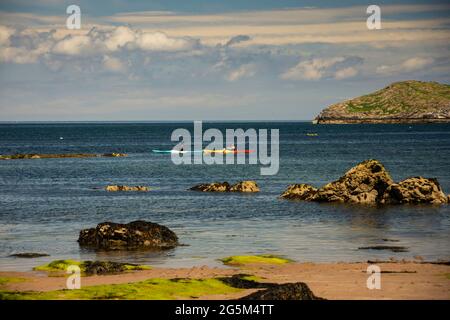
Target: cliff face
[{"x": 400, "y": 102}]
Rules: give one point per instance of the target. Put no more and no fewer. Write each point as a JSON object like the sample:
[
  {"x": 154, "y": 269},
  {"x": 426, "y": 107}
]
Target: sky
[{"x": 208, "y": 59}]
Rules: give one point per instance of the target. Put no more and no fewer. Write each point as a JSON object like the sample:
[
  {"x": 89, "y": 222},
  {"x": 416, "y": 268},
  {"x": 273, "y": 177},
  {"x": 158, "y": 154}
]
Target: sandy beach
[{"x": 399, "y": 280}]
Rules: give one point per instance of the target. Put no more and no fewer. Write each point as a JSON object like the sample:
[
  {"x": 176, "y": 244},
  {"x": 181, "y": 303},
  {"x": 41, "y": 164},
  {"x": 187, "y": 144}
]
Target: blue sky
[{"x": 210, "y": 60}]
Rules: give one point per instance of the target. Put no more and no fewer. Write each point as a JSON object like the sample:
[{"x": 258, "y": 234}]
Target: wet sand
[{"x": 399, "y": 280}]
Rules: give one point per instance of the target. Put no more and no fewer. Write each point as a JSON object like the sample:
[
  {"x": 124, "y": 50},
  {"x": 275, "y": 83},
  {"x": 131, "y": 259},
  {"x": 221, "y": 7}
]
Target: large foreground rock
[
  {"x": 286, "y": 291},
  {"x": 243, "y": 186},
  {"x": 370, "y": 183},
  {"x": 134, "y": 235},
  {"x": 415, "y": 190}
]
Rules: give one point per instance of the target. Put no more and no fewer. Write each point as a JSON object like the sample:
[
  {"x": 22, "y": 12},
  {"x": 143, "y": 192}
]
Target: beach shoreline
[{"x": 403, "y": 280}]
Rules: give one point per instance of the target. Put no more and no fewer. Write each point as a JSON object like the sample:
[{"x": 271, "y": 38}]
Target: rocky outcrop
[
  {"x": 286, "y": 291},
  {"x": 270, "y": 291},
  {"x": 116, "y": 188},
  {"x": 300, "y": 192},
  {"x": 370, "y": 183},
  {"x": 415, "y": 190},
  {"x": 243, "y": 186},
  {"x": 108, "y": 267},
  {"x": 400, "y": 102},
  {"x": 134, "y": 235},
  {"x": 65, "y": 155}
]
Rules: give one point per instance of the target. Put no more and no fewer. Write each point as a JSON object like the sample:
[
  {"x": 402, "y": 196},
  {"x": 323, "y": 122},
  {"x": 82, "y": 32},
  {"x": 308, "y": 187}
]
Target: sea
[{"x": 44, "y": 203}]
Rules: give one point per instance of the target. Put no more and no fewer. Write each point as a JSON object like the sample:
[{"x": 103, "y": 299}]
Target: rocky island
[{"x": 400, "y": 102}]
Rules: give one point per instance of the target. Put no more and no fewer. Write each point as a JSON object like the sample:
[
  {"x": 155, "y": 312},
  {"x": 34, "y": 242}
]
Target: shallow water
[{"x": 45, "y": 202}]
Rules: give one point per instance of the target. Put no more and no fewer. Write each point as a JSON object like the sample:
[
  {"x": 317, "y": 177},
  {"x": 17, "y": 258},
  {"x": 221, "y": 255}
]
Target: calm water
[{"x": 44, "y": 203}]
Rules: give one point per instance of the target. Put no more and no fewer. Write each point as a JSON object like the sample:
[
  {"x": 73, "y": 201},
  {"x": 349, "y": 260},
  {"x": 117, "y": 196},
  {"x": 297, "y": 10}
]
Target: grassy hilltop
[{"x": 400, "y": 102}]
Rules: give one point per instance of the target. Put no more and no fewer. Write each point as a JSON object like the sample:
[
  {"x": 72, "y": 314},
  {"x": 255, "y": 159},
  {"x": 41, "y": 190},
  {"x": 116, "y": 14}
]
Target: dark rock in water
[
  {"x": 300, "y": 192},
  {"x": 286, "y": 291},
  {"x": 242, "y": 186},
  {"x": 212, "y": 187},
  {"x": 134, "y": 235},
  {"x": 415, "y": 190},
  {"x": 107, "y": 267},
  {"x": 391, "y": 248},
  {"x": 29, "y": 255}
]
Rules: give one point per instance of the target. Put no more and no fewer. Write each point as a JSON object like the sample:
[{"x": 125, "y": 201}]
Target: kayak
[
  {"x": 205, "y": 151},
  {"x": 174, "y": 151},
  {"x": 227, "y": 151}
]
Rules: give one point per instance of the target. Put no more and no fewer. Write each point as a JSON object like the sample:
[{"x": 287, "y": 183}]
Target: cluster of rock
[
  {"x": 64, "y": 155},
  {"x": 108, "y": 267},
  {"x": 242, "y": 186},
  {"x": 115, "y": 188},
  {"x": 370, "y": 183},
  {"x": 271, "y": 291},
  {"x": 133, "y": 235}
]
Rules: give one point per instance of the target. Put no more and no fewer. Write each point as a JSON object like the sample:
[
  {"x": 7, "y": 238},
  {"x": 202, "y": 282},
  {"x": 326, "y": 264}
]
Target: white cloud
[
  {"x": 158, "y": 41},
  {"x": 5, "y": 33},
  {"x": 113, "y": 64},
  {"x": 73, "y": 45},
  {"x": 244, "y": 71},
  {"x": 409, "y": 65},
  {"x": 346, "y": 73},
  {"x": 314, "y": 69}
]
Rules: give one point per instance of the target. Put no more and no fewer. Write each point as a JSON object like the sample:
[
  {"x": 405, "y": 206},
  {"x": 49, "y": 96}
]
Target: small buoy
[{"x": 61, "y": 138}]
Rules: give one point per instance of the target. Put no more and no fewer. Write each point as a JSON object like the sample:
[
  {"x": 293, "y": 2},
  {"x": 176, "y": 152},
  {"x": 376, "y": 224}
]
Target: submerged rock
[
  {"x": 286, "y": 291},
  {"x": 212, "y": 187},
  {"x": 391, "y": 248},
  {"x": 115, "y": 188},
  {"x": 415, "y": 190},
  {"x": 242, "y": 186},
  {"x": 370, "y": 183},
  {"x": 55, "y": 155},
  {"x": 134, "y": 235},
  {"x": 29, "y": 255}
]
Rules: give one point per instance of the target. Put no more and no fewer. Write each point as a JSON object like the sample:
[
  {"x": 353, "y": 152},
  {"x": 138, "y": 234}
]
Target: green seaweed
[
  {"x": 256, "y": 259},
  {"x": 59, "y": 266},
  {"x": 8, "y": 280},
  {"x": 151, "y": 289}
]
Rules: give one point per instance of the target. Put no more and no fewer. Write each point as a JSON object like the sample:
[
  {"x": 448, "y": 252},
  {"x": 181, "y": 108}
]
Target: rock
[
  {"x": 415, "y": 190},
  {"x": 364, "y": 183},
  {"x": 115, "y": 188},
  {"x": 212, "y": 187},
  {"x": 114, "y": 155},
  {"x": 287, "y": 291},
  {"x": 391, "y": 248},
  {"x": 239, "y": 281},
  {"x": 29, "y": 255},
  {"x": 243, "y": 186},
  {"x": 63, "y": 155},
  {"x": 134, "y": 235},
  {"x": 300, "y": 191},
  {"x": 107, "y": 267}
]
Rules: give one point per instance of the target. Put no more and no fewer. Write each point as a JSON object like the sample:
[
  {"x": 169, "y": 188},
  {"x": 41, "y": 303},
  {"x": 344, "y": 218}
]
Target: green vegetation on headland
[
  {"x": 400, "y": 102},
  {"x": 256, "y": 259},
  {"x": 152, "y": 289},
  {"x": 51, "y": 156},
  {"x": 90, "y": 267}
]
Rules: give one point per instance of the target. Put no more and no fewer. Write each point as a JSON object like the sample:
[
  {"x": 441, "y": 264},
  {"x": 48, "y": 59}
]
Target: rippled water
[{"x": 45, "y": 202}]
